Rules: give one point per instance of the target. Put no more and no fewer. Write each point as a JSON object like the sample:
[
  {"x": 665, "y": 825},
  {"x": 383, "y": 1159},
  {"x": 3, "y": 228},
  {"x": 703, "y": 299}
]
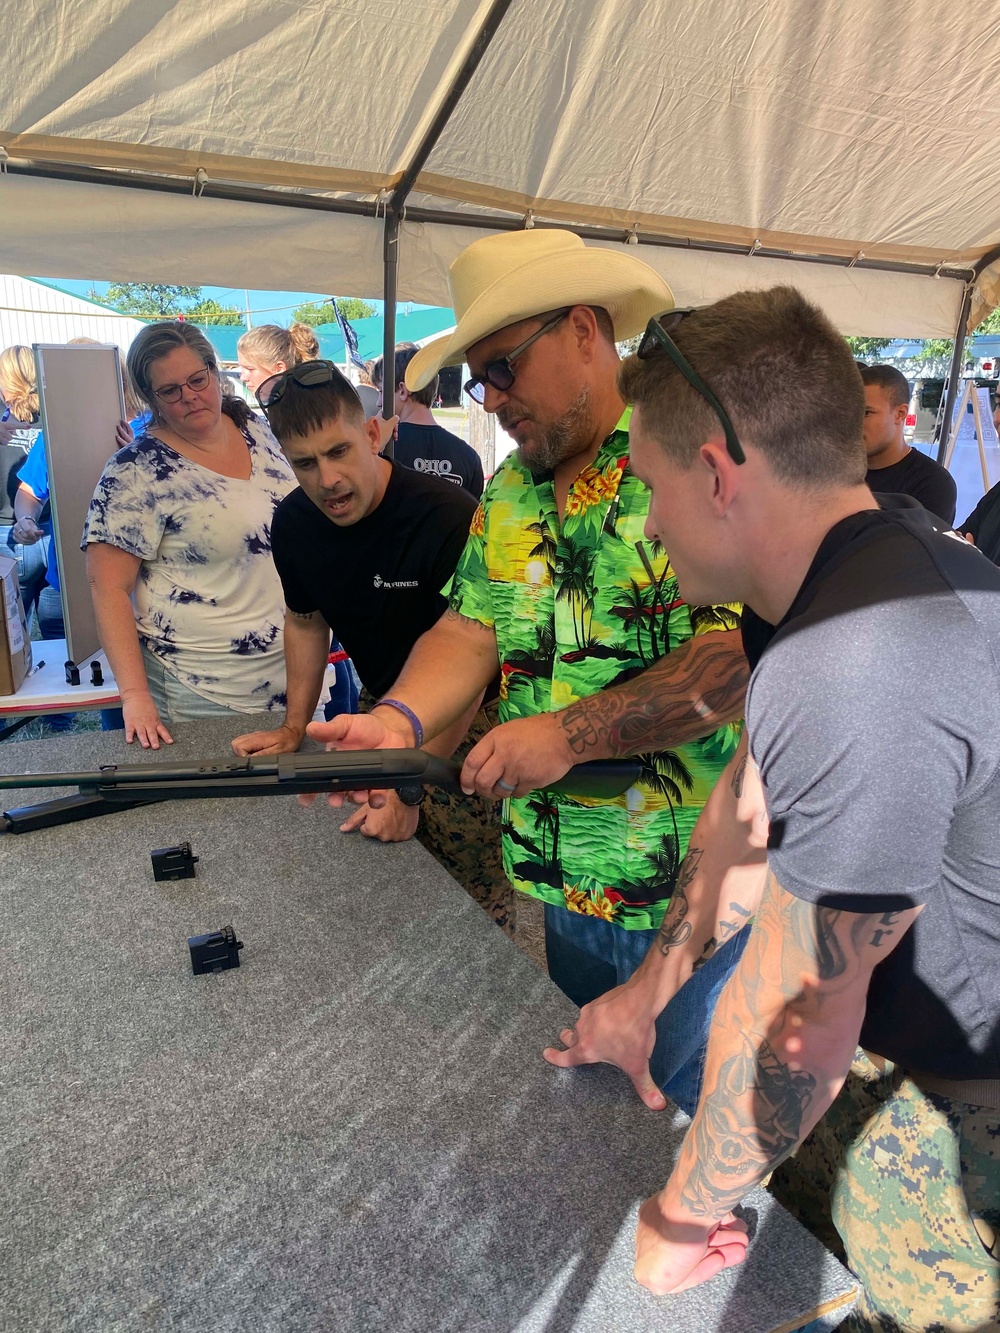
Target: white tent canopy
[{"x": 849, "y": 147}]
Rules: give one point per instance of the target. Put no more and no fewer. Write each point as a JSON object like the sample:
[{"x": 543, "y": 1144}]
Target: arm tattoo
[
  {"x": 675, "y": 930},
  {"x": 686, "y": 695},
  {"x": 739, "y": 777},
  {"x": 302, "y": 615},
  {"x": 806, "y": 969},
  {"x": 757, "y": 1119},
  {"x": 726, "y": 929},
  {"x": 456, "y": 617}
]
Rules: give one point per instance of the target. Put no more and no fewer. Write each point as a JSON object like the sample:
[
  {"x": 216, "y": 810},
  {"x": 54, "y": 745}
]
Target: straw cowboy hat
[{"x": 503, "y": 279}]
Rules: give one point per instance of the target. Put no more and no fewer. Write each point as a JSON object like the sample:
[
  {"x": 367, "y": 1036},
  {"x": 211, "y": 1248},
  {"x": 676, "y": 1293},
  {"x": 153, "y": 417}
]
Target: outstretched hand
[{"x": 615, "y": 1029}]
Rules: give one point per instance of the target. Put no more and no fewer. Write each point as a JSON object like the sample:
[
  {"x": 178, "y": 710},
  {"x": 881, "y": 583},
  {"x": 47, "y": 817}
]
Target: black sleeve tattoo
[
  {"x": 759, "y": 1101},
  {"x": 686, "y": 695},
  {"x": 675, "y": 930}
]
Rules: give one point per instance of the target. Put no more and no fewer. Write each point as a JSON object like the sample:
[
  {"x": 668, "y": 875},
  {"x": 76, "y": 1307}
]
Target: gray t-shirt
[{"x": 874, "y": 717}]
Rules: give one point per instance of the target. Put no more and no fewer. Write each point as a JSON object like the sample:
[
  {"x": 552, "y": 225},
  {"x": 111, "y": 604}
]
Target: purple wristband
[{"x": 411, "y": 717}]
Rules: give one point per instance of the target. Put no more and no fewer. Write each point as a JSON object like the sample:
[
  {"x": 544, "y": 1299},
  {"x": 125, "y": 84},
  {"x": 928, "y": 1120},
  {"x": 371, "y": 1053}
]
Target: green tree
[
  {"x": 148, "y": 300},
  {"x": 210, "y": 312},
  {"x": 145, "y": 300},
  {"x": 321, "y": 312},
  {"x": 865, "y": 347}
]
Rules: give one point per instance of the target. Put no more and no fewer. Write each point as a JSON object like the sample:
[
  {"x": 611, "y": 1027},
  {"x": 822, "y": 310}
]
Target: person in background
[
  {"x": 29, "y": 535},
  {"x": 421, "y": 443},
  {"x": 400, "y": 534},
  {"x": 982, "y": 527},
  {"x": 269, "y": 349},
  {"x": 181, "y": 522},
  {"x": 894, "y": 468},
  {"x": 263, "y": 352}
]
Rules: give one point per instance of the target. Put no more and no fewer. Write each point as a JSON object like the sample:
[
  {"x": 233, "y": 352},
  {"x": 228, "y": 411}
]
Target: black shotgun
[{"x": 125, "y": 786}]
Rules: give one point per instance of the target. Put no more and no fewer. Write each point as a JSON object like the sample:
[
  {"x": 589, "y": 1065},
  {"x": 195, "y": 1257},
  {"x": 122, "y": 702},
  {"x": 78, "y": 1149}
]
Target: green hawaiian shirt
[{"x": 578, "y": 606}]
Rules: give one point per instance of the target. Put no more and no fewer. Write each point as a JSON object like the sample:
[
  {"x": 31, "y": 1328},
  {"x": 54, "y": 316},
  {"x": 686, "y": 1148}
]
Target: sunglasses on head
[
  {"x": 307, "y": 375},
  {"x": 500, "y": 373},
  {"x": 657, "y": 340}
]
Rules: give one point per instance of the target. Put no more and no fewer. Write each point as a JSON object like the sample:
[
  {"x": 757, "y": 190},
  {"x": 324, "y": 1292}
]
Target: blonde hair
[
  {"x": 134, "y": 406},
  {"x": 268, "y": 344},
  {"x": 17, "y": 374}
]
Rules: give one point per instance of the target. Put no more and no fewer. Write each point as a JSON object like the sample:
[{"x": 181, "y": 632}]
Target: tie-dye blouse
[{"x": 208, "y": 600}]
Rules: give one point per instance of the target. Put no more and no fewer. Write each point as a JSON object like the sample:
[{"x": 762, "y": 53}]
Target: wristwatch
[{"x": 414, "y": 794}]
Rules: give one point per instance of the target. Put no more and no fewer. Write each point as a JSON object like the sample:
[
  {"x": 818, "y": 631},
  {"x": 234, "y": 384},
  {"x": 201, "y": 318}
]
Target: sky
[{"x": 265, "y": 307}]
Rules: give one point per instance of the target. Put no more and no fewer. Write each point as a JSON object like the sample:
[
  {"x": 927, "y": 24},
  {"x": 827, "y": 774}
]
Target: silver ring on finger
[{"x": 505, "y": 786}]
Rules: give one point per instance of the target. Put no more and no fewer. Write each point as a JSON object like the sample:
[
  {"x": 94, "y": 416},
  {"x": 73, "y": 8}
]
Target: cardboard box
[{"x": 15, "y": 640}]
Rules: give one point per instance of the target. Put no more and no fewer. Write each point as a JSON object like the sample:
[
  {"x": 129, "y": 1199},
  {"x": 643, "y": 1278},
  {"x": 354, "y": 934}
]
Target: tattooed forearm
[
  {"x": 783, "y": 1035},
  {"x": 726, "y": 930},
  {"x": 739, "y": 777},
  {"x": 675, "y": 929},
  {"x": 752, "y": 1124},
  {"x": 302, "y": 615},
  {"x": 687, "y": 694}
]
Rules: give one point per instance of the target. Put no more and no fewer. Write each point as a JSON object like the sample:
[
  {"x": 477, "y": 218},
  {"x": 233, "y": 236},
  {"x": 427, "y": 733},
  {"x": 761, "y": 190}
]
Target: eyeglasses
[
  {"x": 500, "y": 373},
  {"x": 170, "y": 393},
  {"x": 657, "y": 339},
  {"x": 307, "y": 375}
]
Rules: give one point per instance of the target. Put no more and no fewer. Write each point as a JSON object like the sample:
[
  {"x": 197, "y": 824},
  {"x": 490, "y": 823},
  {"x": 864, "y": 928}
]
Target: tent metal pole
[
  {"x": 396, "y": 204},
  {"x": 954, "y": 372},
  {"x": 464, "y": 74},
  {"x": 368, "y": 208},
  {"x": 390, "y": 266}
]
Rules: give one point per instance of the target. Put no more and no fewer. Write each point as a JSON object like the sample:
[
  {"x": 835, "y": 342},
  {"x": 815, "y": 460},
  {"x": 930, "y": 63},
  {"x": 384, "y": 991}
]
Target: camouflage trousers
[
  {"x": 904, "y": 1185},
  {"x": 462, "y": 833}
]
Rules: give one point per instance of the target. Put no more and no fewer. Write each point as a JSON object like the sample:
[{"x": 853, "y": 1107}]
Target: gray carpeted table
[{"x": 354, "y": 1131}]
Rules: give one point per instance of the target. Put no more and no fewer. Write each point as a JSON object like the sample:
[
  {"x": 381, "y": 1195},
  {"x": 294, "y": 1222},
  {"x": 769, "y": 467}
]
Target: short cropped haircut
[
  {"x": 302, "y": 410},
  {"x": 893, "y": 381},
  {"x": 405, "y": 352},
  {"x": 782, "y": 372}
]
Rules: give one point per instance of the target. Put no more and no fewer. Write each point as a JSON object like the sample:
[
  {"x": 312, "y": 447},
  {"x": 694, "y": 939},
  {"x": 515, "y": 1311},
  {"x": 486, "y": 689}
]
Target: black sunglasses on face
[
  {"x": 307, "y": 375},
  {"x": 657, "y": 339},
  {"x": 500, "y": 373}
]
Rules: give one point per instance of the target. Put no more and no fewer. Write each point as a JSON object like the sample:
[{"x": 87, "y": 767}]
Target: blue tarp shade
[{"x": 411, "y": 327}]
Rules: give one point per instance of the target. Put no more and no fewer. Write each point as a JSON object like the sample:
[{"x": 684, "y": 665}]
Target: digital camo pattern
[
  {"x": 462, "y": 832},
  {"x": 208, "y": 600},
  {"x": 911, "y": 1182},
  {"x": 577, "y": 607}
]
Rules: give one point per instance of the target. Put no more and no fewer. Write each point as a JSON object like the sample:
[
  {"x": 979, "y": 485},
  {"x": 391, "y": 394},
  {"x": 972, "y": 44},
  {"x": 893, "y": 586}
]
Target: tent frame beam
[
  {"x": 396, "y": 205},
  {"x": 476, "y": 221}
]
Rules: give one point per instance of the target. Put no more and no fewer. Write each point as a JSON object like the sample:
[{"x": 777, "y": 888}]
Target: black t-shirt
[
  {"x": 378, "y": 583},
  {"x": 984, "y": 525},
  {"x": 923, "y": 478},
  {"x": 873, "y": 717},
  {"x": 434, "y": 450}
]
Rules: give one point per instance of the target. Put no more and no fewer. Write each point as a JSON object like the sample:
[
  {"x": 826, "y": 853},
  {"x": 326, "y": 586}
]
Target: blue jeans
[
  {"x": 588, "y": 956},
  {"x": 30, "y": 572}
]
